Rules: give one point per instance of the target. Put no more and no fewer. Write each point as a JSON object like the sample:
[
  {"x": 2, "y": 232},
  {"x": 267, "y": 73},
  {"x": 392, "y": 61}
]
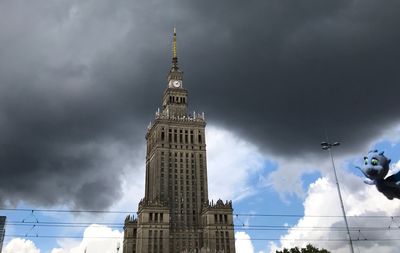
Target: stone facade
[{"x": 175, "y": 214}]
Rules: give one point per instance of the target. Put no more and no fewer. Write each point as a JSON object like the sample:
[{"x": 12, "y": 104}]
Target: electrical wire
[
  {"x": 237, "y": 226},
  {"x": 240, "y": 239},
  {"x": 240, "y": 227},
  {"x": 234, "y": 214}
]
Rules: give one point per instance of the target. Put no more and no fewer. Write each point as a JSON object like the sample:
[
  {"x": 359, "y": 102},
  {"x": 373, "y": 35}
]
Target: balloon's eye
[
  {"x": 365, "y": 161},
  {"x": 374, "y": 161}
]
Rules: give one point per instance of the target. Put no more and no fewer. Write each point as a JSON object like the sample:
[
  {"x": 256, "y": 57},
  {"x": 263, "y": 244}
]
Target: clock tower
[
  {"x": 175, "y": 96},
  {"x": 175, "y": 215}
]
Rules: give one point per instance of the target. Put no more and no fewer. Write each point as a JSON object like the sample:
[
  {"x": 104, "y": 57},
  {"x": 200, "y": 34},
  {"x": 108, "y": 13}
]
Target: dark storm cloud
[
  {"x": 282, "y": 73},
  {"x": 79, "y": 81}
]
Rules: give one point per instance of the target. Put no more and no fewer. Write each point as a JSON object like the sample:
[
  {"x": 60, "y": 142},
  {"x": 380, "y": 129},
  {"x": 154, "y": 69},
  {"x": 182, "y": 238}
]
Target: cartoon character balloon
[{"x": 375, "y": 168}]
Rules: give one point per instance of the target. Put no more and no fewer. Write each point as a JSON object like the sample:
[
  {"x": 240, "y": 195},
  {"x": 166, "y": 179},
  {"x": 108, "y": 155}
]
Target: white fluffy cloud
[
  {"x": 243, "y": 243},
  {"x": 322, "y": 200},
  {"x": 19, "y": 245},
  {"x": 96, "y": 239},
  {"x": 231, "y": 162}
]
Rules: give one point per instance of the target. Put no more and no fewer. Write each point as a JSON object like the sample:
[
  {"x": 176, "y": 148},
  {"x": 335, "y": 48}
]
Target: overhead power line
[
  {"x": 236, "y": 226},
  {"x": 239, "y": 239},
  {"x": 64, "y": 211},
  {"x": 85, "y": 224},
  {"x": 234, "y": 214}
]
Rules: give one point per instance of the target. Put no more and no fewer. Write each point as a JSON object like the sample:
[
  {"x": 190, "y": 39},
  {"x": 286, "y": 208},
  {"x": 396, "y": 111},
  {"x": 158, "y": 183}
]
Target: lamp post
[{"x": 328, "y": 146}]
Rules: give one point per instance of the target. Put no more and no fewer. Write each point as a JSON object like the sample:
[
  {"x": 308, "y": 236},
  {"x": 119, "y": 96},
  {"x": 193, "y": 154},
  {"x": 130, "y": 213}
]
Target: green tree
[{"x": 308, "y": 249}]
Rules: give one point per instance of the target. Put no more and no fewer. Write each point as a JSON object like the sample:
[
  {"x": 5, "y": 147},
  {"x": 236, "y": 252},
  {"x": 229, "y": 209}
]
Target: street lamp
[{"x": 328, "y": 146}]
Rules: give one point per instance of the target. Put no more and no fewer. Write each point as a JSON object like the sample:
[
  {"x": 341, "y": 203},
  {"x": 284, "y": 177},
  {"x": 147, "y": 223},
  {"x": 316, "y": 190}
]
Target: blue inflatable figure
[{"x": 376, "y": 167}]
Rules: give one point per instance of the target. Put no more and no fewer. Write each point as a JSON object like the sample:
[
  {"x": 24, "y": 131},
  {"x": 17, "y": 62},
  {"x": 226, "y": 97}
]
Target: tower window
[{"x": 200, "y": 141}]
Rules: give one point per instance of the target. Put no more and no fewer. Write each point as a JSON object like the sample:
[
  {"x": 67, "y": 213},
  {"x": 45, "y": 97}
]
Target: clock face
[{"x": 176, "y": 83}]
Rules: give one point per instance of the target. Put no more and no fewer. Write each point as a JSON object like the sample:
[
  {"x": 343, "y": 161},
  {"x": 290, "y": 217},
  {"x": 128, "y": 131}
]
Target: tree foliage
[{"x": 308, "y": 249}]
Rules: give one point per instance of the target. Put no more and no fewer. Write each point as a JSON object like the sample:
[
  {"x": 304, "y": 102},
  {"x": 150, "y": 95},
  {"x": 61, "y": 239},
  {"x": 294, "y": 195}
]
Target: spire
[
  {"x": 175, "y": 73},
  {"x": 174, "y": 54},
  {"x": 174, "y": 44}
]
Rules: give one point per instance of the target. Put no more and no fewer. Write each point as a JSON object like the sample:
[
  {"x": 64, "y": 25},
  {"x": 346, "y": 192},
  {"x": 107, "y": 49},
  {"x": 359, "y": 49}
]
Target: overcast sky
[{"x": 80, "y": 80}]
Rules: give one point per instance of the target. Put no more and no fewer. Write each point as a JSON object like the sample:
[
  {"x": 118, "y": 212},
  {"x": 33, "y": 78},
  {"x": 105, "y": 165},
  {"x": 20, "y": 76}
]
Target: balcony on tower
[{"x": 165, "y": 115}]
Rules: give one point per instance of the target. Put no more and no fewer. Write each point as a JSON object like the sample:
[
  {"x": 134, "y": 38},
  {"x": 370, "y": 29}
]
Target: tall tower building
[{"x": 175, "y": 214}]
